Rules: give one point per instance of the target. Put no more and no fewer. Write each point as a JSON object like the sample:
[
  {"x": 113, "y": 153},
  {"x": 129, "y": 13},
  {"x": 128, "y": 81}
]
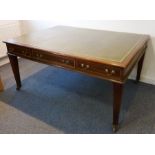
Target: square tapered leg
[
  {"x": 117, "y": 97},
  {"x": 15, "y": 68}
]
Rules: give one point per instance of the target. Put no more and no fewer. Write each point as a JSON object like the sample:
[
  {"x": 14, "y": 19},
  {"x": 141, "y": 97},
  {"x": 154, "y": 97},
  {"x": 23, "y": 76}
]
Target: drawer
[
  {"x": 41, "y": 56},
  {"x": 53, "y": 58},
  {"x": 19, "y": 51},
  {"x": 64, "y": 61},
  {"x": 98, "y": 68}
]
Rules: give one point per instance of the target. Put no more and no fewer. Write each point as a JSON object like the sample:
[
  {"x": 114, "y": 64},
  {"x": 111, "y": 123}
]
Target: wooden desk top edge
[{"x": 125, "y": 62}]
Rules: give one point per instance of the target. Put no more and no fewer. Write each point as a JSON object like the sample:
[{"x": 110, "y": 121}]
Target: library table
[{"x": 103, "y": 54}]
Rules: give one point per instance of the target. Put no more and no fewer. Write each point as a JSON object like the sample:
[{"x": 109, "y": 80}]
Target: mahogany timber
[
  {"x": 1, "y": 85},
  {"x": 84, "y": 51}
]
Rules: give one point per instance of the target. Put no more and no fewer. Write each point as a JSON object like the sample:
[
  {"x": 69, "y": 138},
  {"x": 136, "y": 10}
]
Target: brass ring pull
[
  {"x": 87, "y": 66},
  {"x": 113, "y": 72},
  {"x": 82, "y": 65},
  {"x": 107, "y": 70}
]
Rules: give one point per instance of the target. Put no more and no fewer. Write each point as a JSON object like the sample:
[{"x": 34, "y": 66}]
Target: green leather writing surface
[{"x": 84, "y": 43}]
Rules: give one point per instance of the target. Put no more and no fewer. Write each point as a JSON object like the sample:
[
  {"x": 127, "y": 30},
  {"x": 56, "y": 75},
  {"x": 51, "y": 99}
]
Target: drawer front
[
  {"x": 98, "y": 69},
  {"x": 42, "y": 56},
  {"x": 19, "y": 51},
  {"x": 93, "y": 68}
]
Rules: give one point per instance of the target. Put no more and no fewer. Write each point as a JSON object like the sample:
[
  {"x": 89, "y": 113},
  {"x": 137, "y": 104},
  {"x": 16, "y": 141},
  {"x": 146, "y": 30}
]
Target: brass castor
[{"x": 115, "y": 128}]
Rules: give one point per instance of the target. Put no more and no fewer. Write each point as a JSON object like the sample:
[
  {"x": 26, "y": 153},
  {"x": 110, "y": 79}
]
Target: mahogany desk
[{"x": 103, "y": 54}]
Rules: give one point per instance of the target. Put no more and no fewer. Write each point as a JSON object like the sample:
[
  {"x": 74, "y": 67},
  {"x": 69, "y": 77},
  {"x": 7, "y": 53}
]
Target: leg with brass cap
[
  {"x": 15, "y": 68},
  {"x": 115, "y": 128},
  {"x": 117, "y": 96}
]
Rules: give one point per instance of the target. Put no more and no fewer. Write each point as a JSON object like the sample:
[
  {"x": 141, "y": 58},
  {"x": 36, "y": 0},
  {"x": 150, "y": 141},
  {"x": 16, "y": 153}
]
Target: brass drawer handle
[
  {"x": 39, "y": 55},
  {"x": 65, "y": 61},
  {"x": 87, "y": 66},
  {"x": 107, "y": 70},
  {"x": 82, "y": 65},
  {"x": 113, "y": 72}
]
